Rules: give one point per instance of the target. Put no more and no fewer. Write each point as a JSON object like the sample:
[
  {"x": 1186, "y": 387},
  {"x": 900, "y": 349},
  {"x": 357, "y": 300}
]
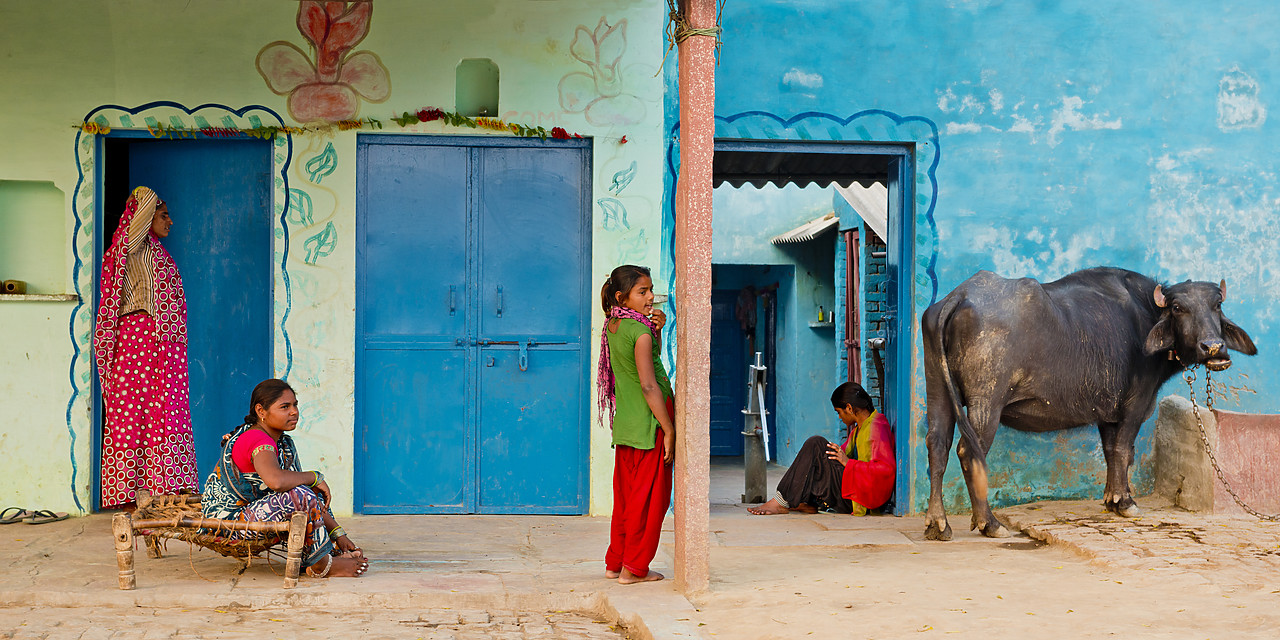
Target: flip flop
[
  {"x": 18, "y": 515},
  {"x": 45, "y": 517}
]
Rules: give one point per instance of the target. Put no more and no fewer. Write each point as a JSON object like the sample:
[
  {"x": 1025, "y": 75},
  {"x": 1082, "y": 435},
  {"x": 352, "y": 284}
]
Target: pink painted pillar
[{"x": 693, "y": 298}]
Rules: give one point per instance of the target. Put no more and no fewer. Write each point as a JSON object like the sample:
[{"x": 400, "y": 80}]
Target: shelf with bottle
[{"x": 825, "y": 320}]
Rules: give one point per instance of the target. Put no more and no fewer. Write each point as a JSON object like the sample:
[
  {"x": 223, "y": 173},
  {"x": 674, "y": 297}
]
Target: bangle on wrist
[
  {"x": 319, "y": 477},
  {"x": 336, "y": 532}
]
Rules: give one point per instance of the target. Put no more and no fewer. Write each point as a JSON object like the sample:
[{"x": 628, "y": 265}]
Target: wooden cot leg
[
  {"x": 297, "y": 535},
  {"x": 153, "y": 546},
  {"x": 122, "y": 527}
]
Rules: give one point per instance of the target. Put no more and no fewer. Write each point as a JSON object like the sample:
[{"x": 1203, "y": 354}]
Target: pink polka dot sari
[{"x": 142, "y": 367}]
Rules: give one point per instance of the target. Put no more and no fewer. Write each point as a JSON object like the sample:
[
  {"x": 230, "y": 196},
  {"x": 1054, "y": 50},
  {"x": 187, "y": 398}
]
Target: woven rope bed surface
[{"x": 187, "y": 506}]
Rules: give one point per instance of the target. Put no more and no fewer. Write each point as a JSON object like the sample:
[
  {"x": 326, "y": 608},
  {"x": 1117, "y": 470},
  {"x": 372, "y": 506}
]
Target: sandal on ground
[
  {"x": 14, "y": 514},
  {"x": 45, "y": 517}
]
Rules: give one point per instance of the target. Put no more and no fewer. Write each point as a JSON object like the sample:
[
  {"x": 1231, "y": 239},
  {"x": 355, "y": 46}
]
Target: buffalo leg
[
  {"x": 1117, "y": 449},
  {"x": 942, "y": 424},
  {"x": 985, "y": 419}
]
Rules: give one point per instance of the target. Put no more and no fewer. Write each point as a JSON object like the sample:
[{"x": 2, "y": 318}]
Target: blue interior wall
[
  {"x": 1072, "y": 134},
  {"x": 745, "y": 220}
]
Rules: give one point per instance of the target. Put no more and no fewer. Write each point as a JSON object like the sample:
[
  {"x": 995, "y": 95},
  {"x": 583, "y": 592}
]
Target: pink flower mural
[{"x": 331, "y": 87}]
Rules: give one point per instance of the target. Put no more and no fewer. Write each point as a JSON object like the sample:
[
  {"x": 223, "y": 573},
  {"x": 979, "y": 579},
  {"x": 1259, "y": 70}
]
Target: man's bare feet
[
  {"x": 630, "y": 578},
  {"x": 611, "y": 574},
  {"x": 806, "y": 508},
  {"x": 770, "y": 508}
]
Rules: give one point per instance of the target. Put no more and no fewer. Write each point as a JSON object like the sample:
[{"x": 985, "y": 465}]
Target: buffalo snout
[{"x": 1211, "y": 347}]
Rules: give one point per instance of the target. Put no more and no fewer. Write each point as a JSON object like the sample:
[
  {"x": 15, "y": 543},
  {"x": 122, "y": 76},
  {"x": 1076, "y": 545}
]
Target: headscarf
[
  {"x": 169, "y": 302},
  {"x": 606, "y": 398}
]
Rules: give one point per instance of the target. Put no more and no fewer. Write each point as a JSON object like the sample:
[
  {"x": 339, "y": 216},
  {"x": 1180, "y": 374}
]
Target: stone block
[
  {"x": 1182, "y": 470},
  {"x": 1246, "y": 446}
]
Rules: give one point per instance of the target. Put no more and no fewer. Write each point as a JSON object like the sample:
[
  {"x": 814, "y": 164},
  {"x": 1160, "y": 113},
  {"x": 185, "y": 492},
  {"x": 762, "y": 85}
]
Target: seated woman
[
  {"x": 258, "y": 479},
  {"x": 846, "y": 479}
]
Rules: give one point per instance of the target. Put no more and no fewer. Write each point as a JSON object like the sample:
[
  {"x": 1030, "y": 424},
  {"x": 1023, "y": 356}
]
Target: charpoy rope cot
[{"x": 179, "y": 517}]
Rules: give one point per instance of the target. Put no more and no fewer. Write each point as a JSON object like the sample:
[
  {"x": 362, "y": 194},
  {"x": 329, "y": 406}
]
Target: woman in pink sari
[{"x": 140, "y": 342}]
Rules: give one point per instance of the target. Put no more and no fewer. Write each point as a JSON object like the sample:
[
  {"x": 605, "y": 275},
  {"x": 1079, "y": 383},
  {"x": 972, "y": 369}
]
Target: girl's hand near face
[{"x": 659, "y": 319}]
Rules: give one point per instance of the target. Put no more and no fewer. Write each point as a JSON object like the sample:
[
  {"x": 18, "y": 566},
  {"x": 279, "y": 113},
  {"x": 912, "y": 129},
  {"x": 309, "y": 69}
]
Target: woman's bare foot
[
  {"x": 806, "y": 508},
  {"x": 630, "y": 578},
  {"x": 340, "y": 567},
  {"x": 611, "y": 574},
  {"x": 770, "y": 508}
]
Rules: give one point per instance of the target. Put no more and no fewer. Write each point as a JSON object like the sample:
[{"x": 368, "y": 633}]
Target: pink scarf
[
  {"x": 169, "y": 300},
  {"x": 606, "y": 399}
]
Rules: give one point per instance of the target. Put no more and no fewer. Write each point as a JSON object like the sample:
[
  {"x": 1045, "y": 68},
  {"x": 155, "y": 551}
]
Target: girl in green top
[{"x": 636, "y": 395}]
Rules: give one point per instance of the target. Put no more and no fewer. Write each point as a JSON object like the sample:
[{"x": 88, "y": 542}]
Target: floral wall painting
[
  {"x": 329, "y": 84},
  {"x": 599, "y": 93}
]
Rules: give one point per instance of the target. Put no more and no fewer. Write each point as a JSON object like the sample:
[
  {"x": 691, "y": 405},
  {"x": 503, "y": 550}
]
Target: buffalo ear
[
  {"x": 1237, "y": 339},
  {"x": 1159, "y": 296},
  {"x": 1222, "y": 290},
  {"x": 1161, "y": 336}
]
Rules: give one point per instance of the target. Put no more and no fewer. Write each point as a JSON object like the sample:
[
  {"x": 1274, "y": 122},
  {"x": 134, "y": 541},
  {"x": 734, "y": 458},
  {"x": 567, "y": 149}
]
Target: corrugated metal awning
[
  {"x": 809, "y": 230},
  {"x": 871, "y": 203},
  {"x": 802, "y": 169}
]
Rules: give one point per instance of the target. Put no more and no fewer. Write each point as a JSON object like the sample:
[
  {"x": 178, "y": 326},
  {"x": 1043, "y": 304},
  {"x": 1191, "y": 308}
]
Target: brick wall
[{"x": 875, "y": 283}]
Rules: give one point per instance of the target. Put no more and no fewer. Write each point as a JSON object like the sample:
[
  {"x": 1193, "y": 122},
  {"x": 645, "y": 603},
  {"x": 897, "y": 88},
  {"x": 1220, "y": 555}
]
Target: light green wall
[
  {"x": 31, "y": 236},
  {"x": 71, "y": 58}
]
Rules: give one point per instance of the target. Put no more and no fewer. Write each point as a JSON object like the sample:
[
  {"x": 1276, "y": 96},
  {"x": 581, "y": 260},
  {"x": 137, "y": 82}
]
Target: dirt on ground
[
  {"x": 974, "y": 587},
  {"x": 105, "y": 623}
]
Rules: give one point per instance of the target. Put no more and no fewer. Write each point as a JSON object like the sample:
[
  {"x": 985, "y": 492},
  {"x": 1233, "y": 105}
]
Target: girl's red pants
[{"x": 641, "y": 495}]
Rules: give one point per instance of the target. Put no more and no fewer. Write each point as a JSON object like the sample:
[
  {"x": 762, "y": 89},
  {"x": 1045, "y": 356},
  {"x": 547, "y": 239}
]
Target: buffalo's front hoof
[
  {"x": 933, "y": 532},
  {"x": 1125, "y": 508},
  {"x": 995, "y": 530},
  {"x": 991, "y": 528}
]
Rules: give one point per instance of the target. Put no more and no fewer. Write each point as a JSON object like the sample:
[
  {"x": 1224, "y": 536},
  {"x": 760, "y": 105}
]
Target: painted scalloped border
[
  {"x": 873, "y": 125},
  {"x": 83, "y": 207}
]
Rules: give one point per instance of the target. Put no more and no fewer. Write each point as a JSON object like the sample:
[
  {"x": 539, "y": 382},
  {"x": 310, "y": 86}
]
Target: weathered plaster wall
[
  {"x": 745, "y": 219},
  {"x": 1070, "y": 134},
  {"x": 584, "y": 66}
]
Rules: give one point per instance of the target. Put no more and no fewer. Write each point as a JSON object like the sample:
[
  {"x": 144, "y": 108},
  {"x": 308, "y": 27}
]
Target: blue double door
[{"x": 472, "y": 309}]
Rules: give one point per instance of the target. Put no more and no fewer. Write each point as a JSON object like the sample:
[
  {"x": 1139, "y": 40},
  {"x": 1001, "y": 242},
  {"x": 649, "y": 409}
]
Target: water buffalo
[{"x": 1091, "y": 348}]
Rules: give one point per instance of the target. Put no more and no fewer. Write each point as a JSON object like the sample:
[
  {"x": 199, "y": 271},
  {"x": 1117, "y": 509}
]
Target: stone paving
[
  {"x": 1226, "y": 550},
  {"x": 101, "y": 623}
]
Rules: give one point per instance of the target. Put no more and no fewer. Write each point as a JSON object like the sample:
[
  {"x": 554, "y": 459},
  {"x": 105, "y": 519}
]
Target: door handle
[
  {"x": 453, "y": 299},
  {"x": 499, "y": 301}
]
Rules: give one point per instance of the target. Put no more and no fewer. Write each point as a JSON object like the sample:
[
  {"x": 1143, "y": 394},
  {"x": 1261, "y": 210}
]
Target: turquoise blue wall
[
  {"x": 744, "y": 222},
  {"x": 1069, "y": 134}
]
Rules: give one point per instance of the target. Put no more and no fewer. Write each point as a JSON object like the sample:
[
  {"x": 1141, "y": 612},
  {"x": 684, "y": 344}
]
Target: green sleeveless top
[{"x": 633, "y": 422}]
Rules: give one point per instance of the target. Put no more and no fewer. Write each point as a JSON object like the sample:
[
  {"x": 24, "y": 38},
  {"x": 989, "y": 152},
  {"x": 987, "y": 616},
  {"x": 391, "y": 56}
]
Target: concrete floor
[{"x": 823, "y": 576}]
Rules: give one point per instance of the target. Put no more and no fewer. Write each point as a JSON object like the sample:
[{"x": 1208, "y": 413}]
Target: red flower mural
[{"x": 331, "y": 88}]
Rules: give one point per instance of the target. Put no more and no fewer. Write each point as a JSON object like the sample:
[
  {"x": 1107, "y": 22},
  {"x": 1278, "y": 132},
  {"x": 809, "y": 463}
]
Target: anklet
[{"x": 321, "y": 574}]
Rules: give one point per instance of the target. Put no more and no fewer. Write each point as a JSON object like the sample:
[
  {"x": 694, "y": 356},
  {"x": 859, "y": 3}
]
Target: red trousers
[{"x": 641, "y": 495}]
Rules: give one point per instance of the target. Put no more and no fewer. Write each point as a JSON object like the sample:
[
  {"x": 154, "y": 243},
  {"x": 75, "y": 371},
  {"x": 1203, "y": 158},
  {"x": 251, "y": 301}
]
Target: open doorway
[
  {"x": 218, "y": 192},
  {"x": 794, "y": 227}
]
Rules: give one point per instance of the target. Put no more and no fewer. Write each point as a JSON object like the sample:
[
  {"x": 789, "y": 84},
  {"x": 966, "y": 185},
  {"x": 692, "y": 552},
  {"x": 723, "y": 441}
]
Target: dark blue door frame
[
  {"x": 900, "y": 265},
  {"x": 486, "y": 352},
  {"x": 265, "y": 298}
]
